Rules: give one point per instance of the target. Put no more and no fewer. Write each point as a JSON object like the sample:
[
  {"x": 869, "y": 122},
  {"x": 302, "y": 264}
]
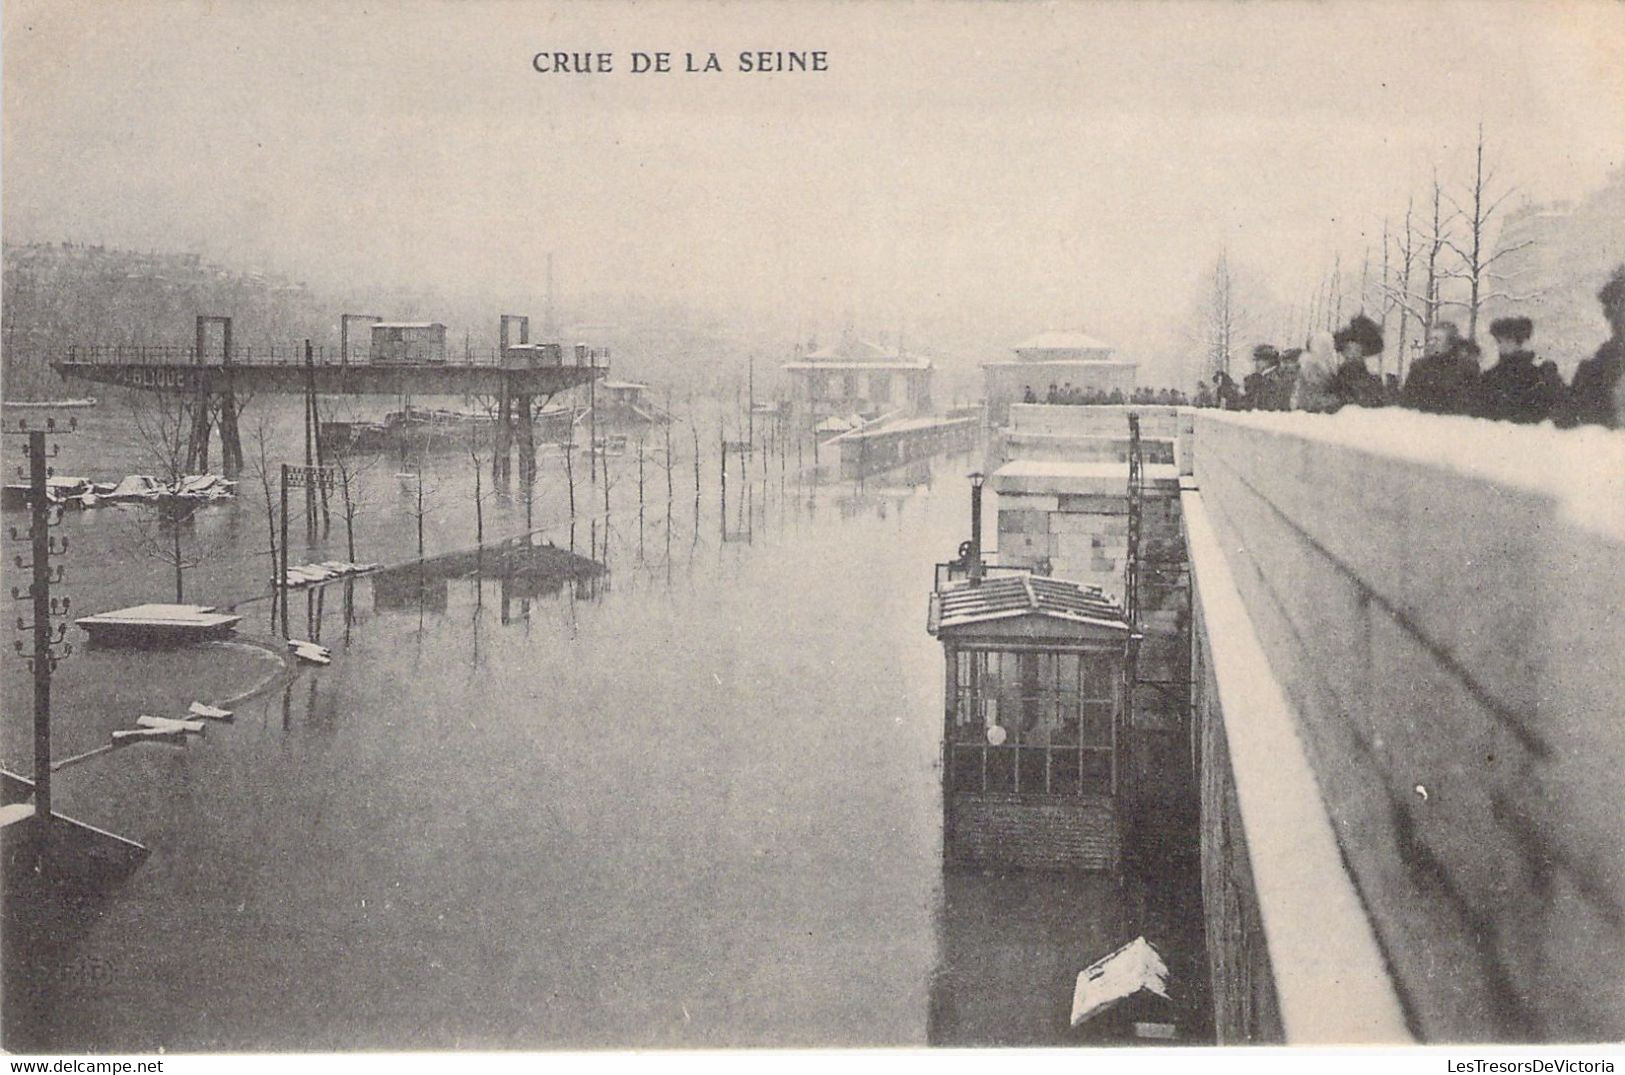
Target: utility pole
[
  {"x": 310, "y": 476},
  {"x": 44, "y": 656},
  {"x": 310, "y": 445},
  {"x": 282, "y": 580}
]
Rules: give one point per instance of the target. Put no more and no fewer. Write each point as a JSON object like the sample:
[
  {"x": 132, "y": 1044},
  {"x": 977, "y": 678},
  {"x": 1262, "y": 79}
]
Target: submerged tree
[
  {"x": 422, "y": 494},
  {"x": 163, "y": 424},
  {"x": 349, "y": 467},
  {"x": 268, "y": 477}
]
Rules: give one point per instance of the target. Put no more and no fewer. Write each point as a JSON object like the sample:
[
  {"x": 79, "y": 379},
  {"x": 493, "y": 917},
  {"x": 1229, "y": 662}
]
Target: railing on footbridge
[{"x": 294, "y": 355}]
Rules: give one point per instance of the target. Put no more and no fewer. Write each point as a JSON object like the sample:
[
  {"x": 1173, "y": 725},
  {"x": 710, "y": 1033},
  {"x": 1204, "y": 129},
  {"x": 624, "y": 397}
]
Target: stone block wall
[
  {"x": 1083, "y": 536},
  {"x": 1448, "y": 642}
]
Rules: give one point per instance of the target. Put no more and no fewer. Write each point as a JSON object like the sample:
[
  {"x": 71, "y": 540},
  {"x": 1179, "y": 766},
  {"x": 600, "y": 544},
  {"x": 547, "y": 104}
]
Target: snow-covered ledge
[
  {"x": 1439, "y": 601},
  {"x": 1318, "y": 943}
]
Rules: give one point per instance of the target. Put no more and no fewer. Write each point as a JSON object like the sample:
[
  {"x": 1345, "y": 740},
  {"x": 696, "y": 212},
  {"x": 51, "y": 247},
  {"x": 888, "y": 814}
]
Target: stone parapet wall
[{"x": 1439, "y": 600}]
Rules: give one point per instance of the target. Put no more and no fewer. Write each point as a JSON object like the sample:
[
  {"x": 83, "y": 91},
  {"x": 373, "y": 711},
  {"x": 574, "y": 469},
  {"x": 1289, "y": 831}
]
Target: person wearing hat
[
  {"x": 1515, "y": 389},
  {"x": 1281, "y": 381},
  {"x": 1445, "y": 379},
  {"x": 1352, "y": 382},
  {"x": 1597, "y": 394},
  {"x": 1265, "y": 359}
]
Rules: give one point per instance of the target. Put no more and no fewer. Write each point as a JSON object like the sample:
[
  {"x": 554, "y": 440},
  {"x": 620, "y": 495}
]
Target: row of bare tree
[
  {"x": 1445, "y": 257},
  {"x": 163, "y": 424}
]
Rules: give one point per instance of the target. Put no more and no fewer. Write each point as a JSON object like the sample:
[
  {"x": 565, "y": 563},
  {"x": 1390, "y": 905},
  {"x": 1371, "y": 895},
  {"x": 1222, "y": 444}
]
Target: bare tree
[
  {"x": 1435, "y": 242},
  {"x": 478, "y": 463},
  {"x": 349, "y": 466},
  {"x": 694, "y": 428},
  {"x": 670, "y": 495},
  {"x": 163, "y": 426},
  {"x": 569, "y": 465},
  {"x": 268, "y": 475},
  {"x": 1473, "y": 259},
  {"x": 1397, "y": 291},
  {"x": 1217, "y": 327},
  {"x": 421, "y": 492}
]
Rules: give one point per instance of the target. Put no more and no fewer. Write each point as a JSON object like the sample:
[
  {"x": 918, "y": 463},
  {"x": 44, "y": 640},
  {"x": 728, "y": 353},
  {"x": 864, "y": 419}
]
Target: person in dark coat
[
  {"x": 1280, "y": 381},
  {"x": 1352, "y": 382},
  {"x": 1445, "y": 379},
  {"x": 1225, "y": 389},
  {"x": 1515, "y": 389},
  {"x": 1595, "y": 395},
  {"x": 1265, "y": 359}
]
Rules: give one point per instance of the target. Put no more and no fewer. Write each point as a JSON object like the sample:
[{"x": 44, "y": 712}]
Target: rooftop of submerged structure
[{"x": 970, "y": 604}]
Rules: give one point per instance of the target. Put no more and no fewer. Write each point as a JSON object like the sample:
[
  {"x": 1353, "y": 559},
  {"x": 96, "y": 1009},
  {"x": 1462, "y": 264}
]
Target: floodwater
[{"x": 693, "y": 802}]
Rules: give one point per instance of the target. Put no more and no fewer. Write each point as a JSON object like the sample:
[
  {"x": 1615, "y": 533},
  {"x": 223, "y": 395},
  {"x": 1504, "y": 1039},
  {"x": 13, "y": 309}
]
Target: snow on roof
[
  {"x": 1103, "y": 984},
  {"x": 895, "y": 364},
  {"x": 1024, "y": 594},
  {"x": 852, "y": 349},
  {"x": 1062, "y": 341},
  {"x": 407, "y": 324}
]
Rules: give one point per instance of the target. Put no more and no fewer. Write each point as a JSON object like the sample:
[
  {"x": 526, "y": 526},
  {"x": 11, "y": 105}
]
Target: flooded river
[{"x": 693, "y": 802}]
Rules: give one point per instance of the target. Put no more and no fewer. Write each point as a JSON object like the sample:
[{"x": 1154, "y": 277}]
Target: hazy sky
[{"x": 1014, "y": 166}]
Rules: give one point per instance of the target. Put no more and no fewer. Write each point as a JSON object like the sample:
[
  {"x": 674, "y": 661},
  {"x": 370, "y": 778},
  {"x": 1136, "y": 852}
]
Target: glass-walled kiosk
[{"x": 1034, "y": 707}]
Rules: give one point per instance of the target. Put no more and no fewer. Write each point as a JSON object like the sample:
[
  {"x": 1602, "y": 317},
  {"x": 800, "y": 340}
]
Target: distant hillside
[{"x": 57, "y": 294}]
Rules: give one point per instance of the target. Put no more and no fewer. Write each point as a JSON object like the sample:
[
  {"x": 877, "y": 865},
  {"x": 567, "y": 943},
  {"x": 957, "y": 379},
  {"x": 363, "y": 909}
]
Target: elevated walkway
[{"x": 285, "y": 372}]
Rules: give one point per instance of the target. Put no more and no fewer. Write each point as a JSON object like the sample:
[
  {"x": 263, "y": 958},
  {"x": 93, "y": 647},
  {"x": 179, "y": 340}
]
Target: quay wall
[{"x": 1407, "y": 720}]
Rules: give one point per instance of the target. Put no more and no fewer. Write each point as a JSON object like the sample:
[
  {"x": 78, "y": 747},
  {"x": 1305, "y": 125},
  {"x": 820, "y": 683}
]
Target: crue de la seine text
[{"x": 662, "y": 63}]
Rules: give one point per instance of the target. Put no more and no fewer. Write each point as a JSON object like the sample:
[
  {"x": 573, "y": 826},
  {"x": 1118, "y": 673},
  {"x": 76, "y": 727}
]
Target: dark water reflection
[{"x": 691, "y": 801}]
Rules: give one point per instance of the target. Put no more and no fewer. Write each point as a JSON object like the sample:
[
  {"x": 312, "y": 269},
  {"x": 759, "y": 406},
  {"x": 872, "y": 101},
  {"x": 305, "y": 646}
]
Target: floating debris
[
  {"x": 169, "y": 724},
  {"x": 124, "y": 737},
  {"x": 310, "y": 651},
  {"x": 326, "y": 571},
  {"x": 1133, "y": 969},
  {"x": 198, "y": 709}
]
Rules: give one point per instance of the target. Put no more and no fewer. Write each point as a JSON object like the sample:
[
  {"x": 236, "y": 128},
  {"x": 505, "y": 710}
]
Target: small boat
[{"x": 158, "y": 625}]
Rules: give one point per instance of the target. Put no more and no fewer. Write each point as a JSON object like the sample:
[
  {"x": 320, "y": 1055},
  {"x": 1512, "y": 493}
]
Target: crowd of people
[
  {"x": 1448, "y": 379},
  {"x": 1068, "y": 395}
]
